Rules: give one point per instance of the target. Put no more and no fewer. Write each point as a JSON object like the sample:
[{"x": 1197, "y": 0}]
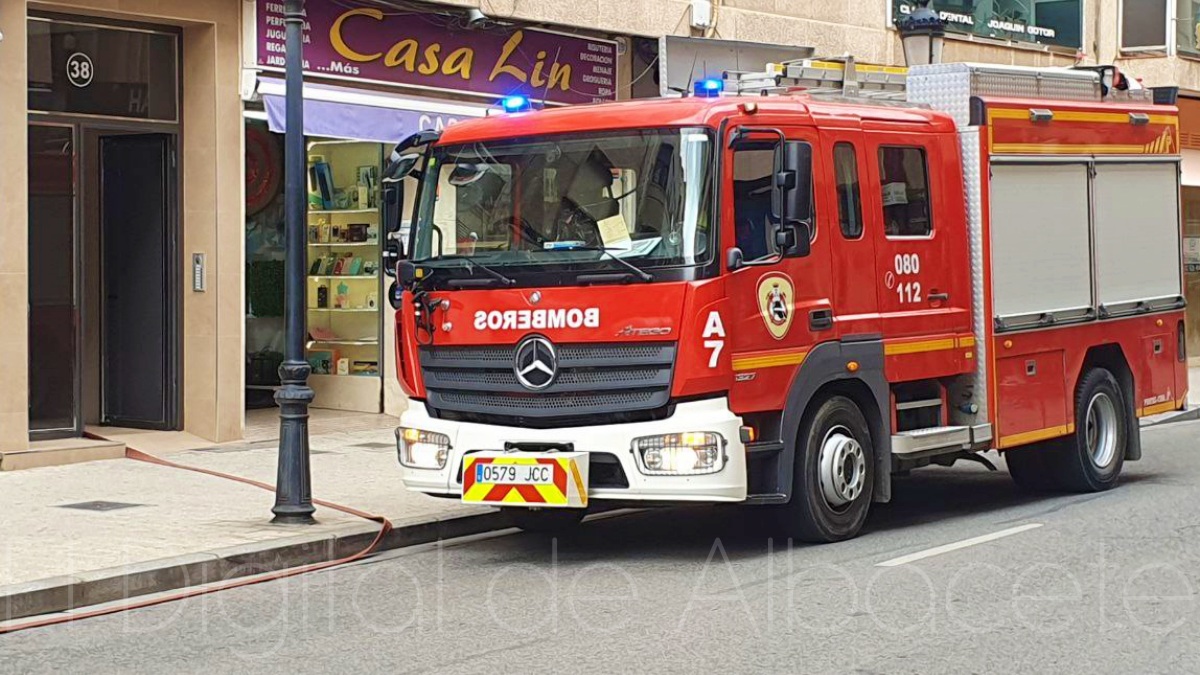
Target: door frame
[
  {"x": 85, "y": 126},
  {"x": 172, "y": 245},
  {"x": 76, "y": 286}
]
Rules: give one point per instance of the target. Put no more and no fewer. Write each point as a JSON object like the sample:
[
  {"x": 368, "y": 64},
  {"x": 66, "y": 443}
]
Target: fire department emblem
[{"x": 775, "y": 303}]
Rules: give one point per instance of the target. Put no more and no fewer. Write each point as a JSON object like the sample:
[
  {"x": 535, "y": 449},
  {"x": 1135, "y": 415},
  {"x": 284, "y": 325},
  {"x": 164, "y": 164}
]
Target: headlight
[
  {"x": 422, "y": 449},
  {"x": 690, "y": 453}
]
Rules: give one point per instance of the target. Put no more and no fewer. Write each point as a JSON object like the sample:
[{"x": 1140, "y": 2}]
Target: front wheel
[{"x": 834, "y": 474}]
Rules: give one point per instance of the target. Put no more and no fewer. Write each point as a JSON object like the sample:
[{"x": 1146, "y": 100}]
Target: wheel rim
[
  {"x": 1100, "y": 430},
  {"x": 843, "y": 468}
]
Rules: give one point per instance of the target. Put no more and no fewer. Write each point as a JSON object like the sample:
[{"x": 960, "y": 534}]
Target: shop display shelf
[
  {"x": 343, "y": 342},
  {"x": 343, "y": 309},
  {"x": 339, "y": 244},
  {"x": 343, "y": 276},
  {"x": 327, "y": 212}
]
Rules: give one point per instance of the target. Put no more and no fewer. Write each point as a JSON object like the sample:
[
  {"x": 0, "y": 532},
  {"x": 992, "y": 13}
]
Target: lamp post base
[{"x": 293, "y": 491}]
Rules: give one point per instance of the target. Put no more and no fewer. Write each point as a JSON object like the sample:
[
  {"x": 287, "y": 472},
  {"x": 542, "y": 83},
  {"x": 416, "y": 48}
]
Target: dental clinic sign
[
  {"x": 1056, "y": 23},
  {"x": 361, "y": 41}
]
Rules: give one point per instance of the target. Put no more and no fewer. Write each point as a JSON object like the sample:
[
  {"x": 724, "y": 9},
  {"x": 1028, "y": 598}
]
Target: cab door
[
  {"x": 921, "y": 259},
  {"x": 779, "y": 307},
  {"x": 853, "y": 231}
]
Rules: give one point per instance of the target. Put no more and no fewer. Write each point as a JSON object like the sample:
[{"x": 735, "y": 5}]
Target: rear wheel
[
  {"x": 546, "y": 521},
  {"x": 1091, "y": 459},
  {"x": 834, "y": 474}
]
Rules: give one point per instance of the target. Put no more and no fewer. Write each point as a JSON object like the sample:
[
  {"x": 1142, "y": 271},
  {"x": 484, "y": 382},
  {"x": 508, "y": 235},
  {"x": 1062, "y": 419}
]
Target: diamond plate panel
[
  {"x": 968, "y": 140},
  {"x": 949, "y": 86}
]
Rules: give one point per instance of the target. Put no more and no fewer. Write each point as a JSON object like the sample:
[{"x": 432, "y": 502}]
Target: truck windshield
[{"x": 572, "y": 202}]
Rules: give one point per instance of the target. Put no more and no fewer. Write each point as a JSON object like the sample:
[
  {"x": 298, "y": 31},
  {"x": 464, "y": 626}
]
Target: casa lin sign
[{"x": 359, "y": 41}]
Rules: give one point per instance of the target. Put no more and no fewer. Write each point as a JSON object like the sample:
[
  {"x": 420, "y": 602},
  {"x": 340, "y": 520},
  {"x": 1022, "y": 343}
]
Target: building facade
[{"x": 166, "y": 115}]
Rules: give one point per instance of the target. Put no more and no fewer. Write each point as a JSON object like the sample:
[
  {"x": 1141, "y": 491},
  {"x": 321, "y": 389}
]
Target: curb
[
  {"x": 1172, "y": 417},
  {"x": 65, "y": 593}
]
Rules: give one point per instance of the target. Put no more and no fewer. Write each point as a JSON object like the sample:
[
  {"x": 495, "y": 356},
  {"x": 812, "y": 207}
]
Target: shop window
[
  {"x": 904, "y": 176},
  {"x": 845, "y": 164},
  {"x": 1144, "y": 25}
]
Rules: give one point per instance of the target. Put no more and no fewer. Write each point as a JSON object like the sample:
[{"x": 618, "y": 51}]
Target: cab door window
[
  {"x": 904, "y": 176},
  {"x": 753, "y": 185},
  {"x": 845, "y": 165},
  {"x": 753, "y": 167}
]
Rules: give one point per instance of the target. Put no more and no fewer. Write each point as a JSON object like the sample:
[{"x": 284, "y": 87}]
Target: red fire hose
[{"x": 385, "y": 527}]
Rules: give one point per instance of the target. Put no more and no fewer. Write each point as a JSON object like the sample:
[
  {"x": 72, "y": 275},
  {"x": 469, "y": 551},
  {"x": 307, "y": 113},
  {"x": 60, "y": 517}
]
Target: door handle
[
  {"x": 820, "y": 319},
  {"x": 939, "y": 296}
]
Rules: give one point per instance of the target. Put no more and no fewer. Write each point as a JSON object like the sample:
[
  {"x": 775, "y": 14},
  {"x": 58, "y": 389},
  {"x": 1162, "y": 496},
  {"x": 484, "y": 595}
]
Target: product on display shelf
[
  {"x": 321, "y": 177},
  {"x": 322, "y": 296},
  {"x": 322, "y": 361},
  {"x": 342, "y": 301}
]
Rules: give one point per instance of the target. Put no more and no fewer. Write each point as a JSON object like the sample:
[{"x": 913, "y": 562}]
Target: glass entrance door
[{"x": 53, "y": 298}]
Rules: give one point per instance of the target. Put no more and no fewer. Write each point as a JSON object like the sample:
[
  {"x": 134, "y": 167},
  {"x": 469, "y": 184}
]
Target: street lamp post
[
  {"x": 922, "y": 33},
  {"x": 293, "y": 485}
]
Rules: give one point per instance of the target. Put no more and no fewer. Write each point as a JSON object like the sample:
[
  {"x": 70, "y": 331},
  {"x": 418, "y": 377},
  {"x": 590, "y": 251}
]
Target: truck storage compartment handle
[
  {"x": 820, "y": 319},
  {"x": 939, "y": 296}
]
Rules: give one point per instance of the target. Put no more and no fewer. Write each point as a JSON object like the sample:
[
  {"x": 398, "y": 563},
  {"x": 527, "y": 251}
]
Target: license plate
[
  {"x": 533, "y": 479},
  {"x": 514, "y": 474}
]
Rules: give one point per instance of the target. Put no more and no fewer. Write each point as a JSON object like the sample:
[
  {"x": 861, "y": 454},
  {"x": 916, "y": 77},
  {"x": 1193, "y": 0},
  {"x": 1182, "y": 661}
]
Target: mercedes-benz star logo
[{"x": 535, "y": 363}]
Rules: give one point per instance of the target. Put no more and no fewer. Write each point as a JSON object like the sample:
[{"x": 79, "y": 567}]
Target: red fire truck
[{"x": 787, "y": 287}]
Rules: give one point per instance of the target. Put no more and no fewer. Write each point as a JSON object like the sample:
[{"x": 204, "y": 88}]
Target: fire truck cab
[{"x": 784, "y": 293}]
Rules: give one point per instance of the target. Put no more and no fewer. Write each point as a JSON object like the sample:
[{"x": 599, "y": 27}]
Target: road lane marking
[{"x": 946, "y": 548}]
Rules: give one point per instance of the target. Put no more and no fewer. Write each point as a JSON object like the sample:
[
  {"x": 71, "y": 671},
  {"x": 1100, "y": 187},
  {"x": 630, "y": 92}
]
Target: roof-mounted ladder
[{"x": 838, "y": 76}]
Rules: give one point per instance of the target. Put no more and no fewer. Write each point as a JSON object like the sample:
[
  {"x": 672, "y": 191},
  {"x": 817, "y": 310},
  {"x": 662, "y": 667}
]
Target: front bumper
[{"x": 713, "y": 415}]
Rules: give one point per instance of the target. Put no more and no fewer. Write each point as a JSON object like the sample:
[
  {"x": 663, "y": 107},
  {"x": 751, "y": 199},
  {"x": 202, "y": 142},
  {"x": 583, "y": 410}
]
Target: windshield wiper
[
  {"x": 471, "y": 266},
  {"x": 637, "y": 271}
]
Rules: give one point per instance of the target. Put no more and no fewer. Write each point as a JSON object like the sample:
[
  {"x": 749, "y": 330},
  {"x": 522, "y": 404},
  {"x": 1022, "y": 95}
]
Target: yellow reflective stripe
[
  {"x": 1078, "y": 116},
  {"x": 1157, "y": 408},
  {"x": 897, "y": 348},
  {"x": 1065, "y": 149},
  {"x": 769, "y": 360},
  {"x": 583, "y": 495},
  {"x": 968, "y": 341},
  {"x": 1036, "y": 435}
]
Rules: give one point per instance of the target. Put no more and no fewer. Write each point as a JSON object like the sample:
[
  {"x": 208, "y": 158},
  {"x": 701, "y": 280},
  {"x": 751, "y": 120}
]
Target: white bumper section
[{"x": 712, "y": 415}]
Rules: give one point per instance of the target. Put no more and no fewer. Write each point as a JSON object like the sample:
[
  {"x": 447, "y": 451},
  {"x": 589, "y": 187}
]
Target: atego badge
[
  {"x": 775, "y": 303},
  {"x": 535, "y": 363}
]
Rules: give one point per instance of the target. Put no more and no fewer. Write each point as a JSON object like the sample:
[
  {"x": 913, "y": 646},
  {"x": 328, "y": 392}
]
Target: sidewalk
[{"x": 82, "y": 534}]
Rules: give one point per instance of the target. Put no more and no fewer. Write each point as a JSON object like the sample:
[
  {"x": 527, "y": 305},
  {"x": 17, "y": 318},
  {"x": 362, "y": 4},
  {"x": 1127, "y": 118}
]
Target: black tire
[
  {"x": 546, "y": 521},
  {"x": 1090, "y": 460},
  {"x": 810, "y": 515},
  {"x": 1030, "y": 467}
]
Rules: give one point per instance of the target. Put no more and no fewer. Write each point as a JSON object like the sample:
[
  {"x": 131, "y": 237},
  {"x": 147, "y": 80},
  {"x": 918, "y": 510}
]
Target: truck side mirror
[
  {"x": 794, "y": 239},
  {"x": 391, "y": 207},
  {"x": 398, "y": 169},
  {"x": 785, "y": 238},
  {"x": 793, "y": 194},
  {"x": 734, "y": 259}
]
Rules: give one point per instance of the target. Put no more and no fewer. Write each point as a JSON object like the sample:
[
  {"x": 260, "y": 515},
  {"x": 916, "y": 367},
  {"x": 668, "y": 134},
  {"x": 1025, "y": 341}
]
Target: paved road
[{"x": 1092, "y": 584}]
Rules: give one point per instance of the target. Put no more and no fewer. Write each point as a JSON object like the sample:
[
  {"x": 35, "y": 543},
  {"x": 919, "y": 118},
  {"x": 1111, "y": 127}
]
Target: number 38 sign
[{"x": 79, "y": 69}]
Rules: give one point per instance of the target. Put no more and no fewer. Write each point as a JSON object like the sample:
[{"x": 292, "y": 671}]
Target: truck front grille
[{"x": 592, "y": 380}]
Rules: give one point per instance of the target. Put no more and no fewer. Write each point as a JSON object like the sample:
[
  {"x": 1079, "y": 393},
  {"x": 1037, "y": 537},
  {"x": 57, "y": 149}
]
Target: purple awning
[{"x": 341, "y": 112}]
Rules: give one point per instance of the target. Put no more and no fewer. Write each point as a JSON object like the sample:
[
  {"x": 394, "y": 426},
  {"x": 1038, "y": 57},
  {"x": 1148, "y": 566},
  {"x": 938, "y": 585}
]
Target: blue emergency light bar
[
  {"x": 516, "y": 103},
  {"x": 708, "y": 88}
]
